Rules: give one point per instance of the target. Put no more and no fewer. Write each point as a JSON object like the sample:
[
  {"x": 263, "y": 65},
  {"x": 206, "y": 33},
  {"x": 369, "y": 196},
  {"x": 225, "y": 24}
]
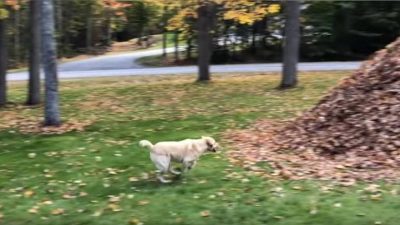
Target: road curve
[{"x": 125, "y": 65}]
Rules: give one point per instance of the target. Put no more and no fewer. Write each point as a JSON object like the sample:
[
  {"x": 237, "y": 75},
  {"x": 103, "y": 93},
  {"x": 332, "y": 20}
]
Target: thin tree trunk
[
  {"x": 108, "y": 28},
  {"x": 204, "y": 40},
  {"x": 189, "y": 48},
  {"x": 59, "y": 26},
  {"x": 164, "y": 35},
  {"x": 264, "y": 32},
  {"x": 16, "y": 37},
  {"x": 34, "y": 54},
  {"x": 291, "y": 44},
  {"x": 253, "y": 37},
  {"x": 164, "y": 43},
  {"x": 176, "y": 42},
  {"x": 49, "y": 61},
  {"x": 3, "y": 63},
  {"x": 89, "y": 28}
]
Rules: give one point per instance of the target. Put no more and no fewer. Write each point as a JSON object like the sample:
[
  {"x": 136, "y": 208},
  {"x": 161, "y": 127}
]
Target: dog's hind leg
[{"x": 162, "y": 162}]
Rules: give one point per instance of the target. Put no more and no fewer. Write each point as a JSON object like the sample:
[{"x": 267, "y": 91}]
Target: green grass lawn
[{"x": 101, "y": 176}]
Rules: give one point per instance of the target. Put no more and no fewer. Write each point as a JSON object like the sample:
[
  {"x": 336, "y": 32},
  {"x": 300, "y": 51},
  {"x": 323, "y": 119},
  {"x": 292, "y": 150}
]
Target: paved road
[
  {"x": 125, "y": 65},
  {"x": 111, "y": 62}
]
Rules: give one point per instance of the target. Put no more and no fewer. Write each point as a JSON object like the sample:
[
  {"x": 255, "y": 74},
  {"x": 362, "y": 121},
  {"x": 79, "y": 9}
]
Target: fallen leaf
[
  {"x": 98, "y": 158},
  {"x": 135, "y": 221},
  {"x": 297, "y": 188},
  {"x": 114, "y": 207},
  {"x": 68, "y": 196},
  {"x": 57, "y": 211},
  {"x": 33, "y": 210},
  {"x": 114, "y": 199},
  {"x": 143, "y": 202},
  {"x": 376, "y": 197},
  {"x": 205, "y": 213},
  {"x": 337, "y": 205},
  {"x": 29, "y": 193},
  {"x": 32, "y": 155},
  {"x": 133, "y": 179},
  {"x": 47, "y": 202},
  {"x": 97, "y": 213}
]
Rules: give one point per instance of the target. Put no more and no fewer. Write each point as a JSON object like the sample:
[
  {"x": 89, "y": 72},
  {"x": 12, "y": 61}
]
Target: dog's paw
[
  {"x": 165, "y": 181},
  {"x": 176, "y": 172}
]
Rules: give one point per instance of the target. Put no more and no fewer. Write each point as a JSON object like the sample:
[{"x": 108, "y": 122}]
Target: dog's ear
[{"x": 206, "y": 139}]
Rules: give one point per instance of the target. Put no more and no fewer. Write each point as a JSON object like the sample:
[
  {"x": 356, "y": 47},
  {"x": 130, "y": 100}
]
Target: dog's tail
[{"x": 146, "y": 144}]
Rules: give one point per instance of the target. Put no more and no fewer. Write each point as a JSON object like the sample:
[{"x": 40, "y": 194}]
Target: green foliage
[
  {"x": 337, "y": 30},
  {"x": 143, "y": 18},
  {"x": 3, "y": 13}
]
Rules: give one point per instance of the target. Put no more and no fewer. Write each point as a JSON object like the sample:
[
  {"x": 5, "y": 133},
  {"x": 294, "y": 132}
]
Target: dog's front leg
[
  {"x": 173, "y": 171},
  {"x": 188, "y": 165}
]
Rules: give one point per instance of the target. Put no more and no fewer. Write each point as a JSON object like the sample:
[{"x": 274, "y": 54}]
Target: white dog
[{"x": 186, "y": 152}]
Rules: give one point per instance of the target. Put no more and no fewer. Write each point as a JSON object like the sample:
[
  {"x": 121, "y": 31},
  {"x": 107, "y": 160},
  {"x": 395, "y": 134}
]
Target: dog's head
[{"x": 212, "y": 145}]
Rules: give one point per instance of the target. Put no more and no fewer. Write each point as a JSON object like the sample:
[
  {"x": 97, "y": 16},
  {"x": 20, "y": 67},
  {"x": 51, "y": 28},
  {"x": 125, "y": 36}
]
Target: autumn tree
[
  {"x": 5, "y": 8},
  {"x": 211, "y": 15},
  {"x": 291, "y": 44},
  {"x": 205, "y": 18},
  {"x": 49, "y": 61},
  {"x": 34, "y": 54}
]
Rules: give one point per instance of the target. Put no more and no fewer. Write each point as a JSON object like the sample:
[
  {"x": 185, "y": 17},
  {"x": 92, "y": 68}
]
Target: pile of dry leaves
[{"x": 352, "y": 133}]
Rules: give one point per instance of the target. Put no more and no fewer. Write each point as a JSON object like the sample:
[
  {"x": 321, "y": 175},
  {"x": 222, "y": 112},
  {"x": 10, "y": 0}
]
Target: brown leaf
[
  {"x": 57, "y": 211},
  {"x": 205, "y": 213},
  {"x": 143, "y": 202},
  {"x": 29, "y": 193}
]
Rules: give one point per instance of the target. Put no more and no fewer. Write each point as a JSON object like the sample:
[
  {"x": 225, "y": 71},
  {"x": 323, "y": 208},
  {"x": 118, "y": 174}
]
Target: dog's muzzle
[{"x": 213, "y": 148}]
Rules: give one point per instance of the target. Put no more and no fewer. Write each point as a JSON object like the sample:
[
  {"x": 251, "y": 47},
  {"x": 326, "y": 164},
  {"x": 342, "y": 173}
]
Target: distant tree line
[{"x": 330, "y": 30}]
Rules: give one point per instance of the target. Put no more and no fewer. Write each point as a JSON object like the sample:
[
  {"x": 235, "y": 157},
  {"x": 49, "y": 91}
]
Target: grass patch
[{"x": 72, "y": 177}]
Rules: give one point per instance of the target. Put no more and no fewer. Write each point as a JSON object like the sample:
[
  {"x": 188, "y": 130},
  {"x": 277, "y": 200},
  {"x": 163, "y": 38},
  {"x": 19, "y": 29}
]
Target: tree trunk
[
  {"x": 164, "y": 43},
  {"x": 108, "y": 27},
  {"x": 17, "y": 38},
  {"x": 204, "y": 20},
  {"x": 49, "y": 61},
  {"x": 3, "y": 63},
  {"x": 59, "y": 26},
  {"x": 264, "y": 32},
  {"x": 89, "y": 28},
  {"x": 176, "y": 42},
  {"x": 341, "y": 27},
  {"x": 291, "y": 44},
  {"x": 164, "y": 34},
  {"x": 34, "y": 54},
  {"x": 189, "y": 48},
  {"x": 253, "y": 37}
]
